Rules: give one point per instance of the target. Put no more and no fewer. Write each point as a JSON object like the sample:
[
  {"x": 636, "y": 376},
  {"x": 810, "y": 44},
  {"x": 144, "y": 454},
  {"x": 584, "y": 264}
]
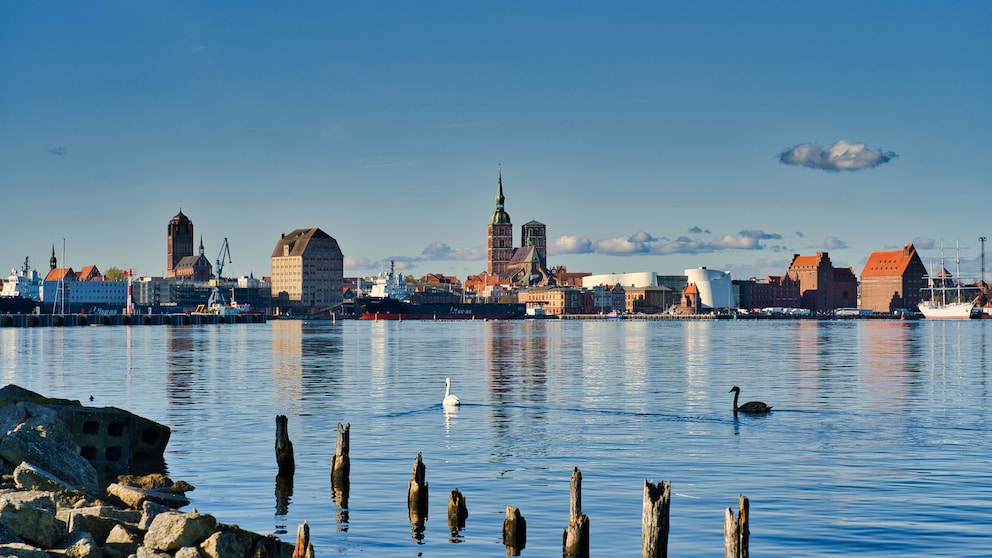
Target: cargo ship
[{"x": 391, "y": 299}]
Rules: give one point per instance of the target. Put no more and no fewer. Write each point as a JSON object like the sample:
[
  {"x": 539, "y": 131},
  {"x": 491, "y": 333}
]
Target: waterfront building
[
  {"x": 608, "y": 298},
  {"x": 307, "y": 273},
  {"x": 823, "y": 287},
  {"x": 714, "y": 288},
  {"x": 635, "y": 279},
  {"x": 66, "y": 291},
  {"x": 774, "y": 291},
  {"x": 554, "y": 300},
  {"x": 893, "y": 279},
  {"x": 648, "y": 300},
  {"x": 179, "y": 241}
]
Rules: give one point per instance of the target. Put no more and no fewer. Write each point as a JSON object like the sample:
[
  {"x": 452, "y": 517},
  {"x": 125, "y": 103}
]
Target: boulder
[
  {"x": 21, "y": 550},
  {"x": 81, "y": 545},
  {"x": 34, "y": 434},
  {"x": 148, "y": 512},
  {"x": 122, "y": 541},
  {"x": 145, "y": 552},
  {"x": 133, "y": 497},
  {"x": 171, "y": 531},
  {"x": 31, "y": 515},
  {"x": 192, "y": 552}
]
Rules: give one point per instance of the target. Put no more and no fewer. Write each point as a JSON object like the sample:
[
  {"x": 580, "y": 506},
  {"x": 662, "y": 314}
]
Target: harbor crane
[{"x": 225, "y": 253}]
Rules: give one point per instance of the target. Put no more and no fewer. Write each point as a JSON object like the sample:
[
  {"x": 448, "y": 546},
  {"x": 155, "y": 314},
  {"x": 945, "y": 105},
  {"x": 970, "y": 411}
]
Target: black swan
[{"x": 750, "y": 406}]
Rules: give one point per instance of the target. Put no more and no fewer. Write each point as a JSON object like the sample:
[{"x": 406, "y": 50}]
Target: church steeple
[
  {"x": 500, "y": 217},
  {"x": 53, "y": 262},
  {"x": 201, "y": 245},
  {"x": 500, "y": 241}
]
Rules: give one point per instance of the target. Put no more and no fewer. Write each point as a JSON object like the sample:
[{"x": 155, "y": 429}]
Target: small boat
[{"x": 944, "y": 298}]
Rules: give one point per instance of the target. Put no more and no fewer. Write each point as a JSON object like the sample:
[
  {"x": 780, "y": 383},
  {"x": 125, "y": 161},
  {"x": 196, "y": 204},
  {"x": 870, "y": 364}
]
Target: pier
[{"x": 77, "y": 320}]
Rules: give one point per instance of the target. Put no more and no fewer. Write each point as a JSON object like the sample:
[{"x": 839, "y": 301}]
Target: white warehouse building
[
  {"x": 716, "y": 289},
  {"x": 637, "y": 279}
]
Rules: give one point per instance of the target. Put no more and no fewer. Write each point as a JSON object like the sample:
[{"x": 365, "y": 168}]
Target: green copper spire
[{"x": 500, "y": 217}]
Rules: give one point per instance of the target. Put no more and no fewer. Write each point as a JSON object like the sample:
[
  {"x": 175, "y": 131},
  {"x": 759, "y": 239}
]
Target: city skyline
[{"x": 645, "y": 137}]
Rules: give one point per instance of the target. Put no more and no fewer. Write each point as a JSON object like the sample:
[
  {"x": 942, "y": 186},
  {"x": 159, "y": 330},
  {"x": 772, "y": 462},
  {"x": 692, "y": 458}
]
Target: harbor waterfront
[{"x": 877, "y": 445}]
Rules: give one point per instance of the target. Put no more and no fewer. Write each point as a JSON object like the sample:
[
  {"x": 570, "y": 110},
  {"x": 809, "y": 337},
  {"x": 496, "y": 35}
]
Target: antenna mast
[{"x": 982, "y": 240}]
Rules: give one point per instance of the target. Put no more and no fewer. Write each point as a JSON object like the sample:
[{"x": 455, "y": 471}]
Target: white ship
[{"x": 944, "y": 298}]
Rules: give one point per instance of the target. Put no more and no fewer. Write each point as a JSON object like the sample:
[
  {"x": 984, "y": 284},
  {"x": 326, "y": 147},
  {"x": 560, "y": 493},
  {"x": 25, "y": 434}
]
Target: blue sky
[{"x": 647, "y": 136}]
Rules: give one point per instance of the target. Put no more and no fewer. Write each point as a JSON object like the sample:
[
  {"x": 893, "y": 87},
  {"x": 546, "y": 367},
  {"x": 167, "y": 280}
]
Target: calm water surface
[{"x": 878, "y": 444}]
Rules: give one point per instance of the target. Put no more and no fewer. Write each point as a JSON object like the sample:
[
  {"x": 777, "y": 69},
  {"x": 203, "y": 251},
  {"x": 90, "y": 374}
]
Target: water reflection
[
  {"x": 517, "y": 356},
  {"x": 179, "y": 364}
]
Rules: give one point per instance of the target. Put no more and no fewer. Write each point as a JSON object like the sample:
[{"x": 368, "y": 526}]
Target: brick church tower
[{"x": 500, "y": 244}]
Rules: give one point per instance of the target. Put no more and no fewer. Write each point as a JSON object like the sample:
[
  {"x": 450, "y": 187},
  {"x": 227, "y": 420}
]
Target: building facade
[
  {"x": 893, "y": 279},
  {"x": 822, "y": 287},
  {"x": 179, "y": 241},
  {"x": 194, "y": 268},
  {"x": 307, "y": 273}
]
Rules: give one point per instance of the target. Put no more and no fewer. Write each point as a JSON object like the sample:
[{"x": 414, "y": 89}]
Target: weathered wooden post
[
  {"x": 457, "y": 512},
  {"x": 284, "y": 447},
  {"x": 341, "y": 465},
  {"x": 303, "y": 548},
  {"x": 416, "y": 497},
  {"x": 654, "y": 519},
  {"x": 736, "y": 532},
  {"x": 514, "y": 531},
  {"x": 575, "y": 539}
]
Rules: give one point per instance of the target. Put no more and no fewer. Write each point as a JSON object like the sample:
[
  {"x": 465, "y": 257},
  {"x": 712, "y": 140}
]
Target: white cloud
[
  {"x": 571, "y": 244},
  {"x": 834, "y": 243},
  {"x": 441, "y": 251},
  {"x": 621, "y": 246},
  {"x": 842, "y": 155}
]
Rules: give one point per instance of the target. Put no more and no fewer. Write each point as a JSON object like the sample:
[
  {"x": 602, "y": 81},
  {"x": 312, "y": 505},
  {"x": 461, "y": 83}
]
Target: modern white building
[
  {"x": 716, "y": 289},
  {"x": 638, "y": 279}
]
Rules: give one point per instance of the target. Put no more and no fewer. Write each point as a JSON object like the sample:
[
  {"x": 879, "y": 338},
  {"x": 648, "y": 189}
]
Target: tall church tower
[
  {"x": 180, "y": 241},
  {"x": 500, "y": 245}
]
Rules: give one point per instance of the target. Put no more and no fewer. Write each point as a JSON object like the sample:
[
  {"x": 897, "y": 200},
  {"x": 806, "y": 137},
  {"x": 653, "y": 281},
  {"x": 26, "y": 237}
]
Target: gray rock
[
  {"x": 122, "y": 541},
  {"x": 31, "y": 515},
  {"x": 21, "y": 550},
  {"x": 148, "y": 512},
  {"x": 29, "y": 477},
  {"x": 171, "y": 531},
  {"x": 133, "y": 497},
  {"x": 81, "y": 545},
  {"x": 35, "y": 434},
  {"x": 93, "y": 523},
  {"x": 145, "y": 552},
  {"x": 192, "y": 552}
]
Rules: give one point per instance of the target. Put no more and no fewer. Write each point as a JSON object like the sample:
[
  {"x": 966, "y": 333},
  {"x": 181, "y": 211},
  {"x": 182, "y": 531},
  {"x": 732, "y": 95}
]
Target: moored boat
[{"x": 944, "y": 298}]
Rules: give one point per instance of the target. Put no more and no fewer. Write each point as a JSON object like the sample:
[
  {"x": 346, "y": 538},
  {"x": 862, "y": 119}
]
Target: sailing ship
[{"x": 944, "y": 298}]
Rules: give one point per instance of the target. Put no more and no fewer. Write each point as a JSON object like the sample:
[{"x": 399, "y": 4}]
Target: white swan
[{"x": 450, "y": 399}]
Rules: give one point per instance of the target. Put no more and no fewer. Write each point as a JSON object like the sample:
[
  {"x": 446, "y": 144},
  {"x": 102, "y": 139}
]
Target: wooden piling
[
  {"x": 416, "y": 497},
  {"x": 736, "y": 531},
  {"x": 514, "y": 531},
  {"x": 654, "y": 519},
  {"x": 341, "y": 463},
  {"x": 303, "y": 548},
  {"x": 457, "y": 512},
  {"x": 575, "y": 539},
  {"x": 284, "y": 447}
]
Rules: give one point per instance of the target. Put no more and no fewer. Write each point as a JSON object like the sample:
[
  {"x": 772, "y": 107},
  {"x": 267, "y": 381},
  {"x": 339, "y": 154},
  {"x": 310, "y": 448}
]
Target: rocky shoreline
[{"x": 53, "y": 504}]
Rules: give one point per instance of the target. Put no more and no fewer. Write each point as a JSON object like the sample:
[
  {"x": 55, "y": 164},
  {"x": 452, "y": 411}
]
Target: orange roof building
[{"x": 892, "y": 279}]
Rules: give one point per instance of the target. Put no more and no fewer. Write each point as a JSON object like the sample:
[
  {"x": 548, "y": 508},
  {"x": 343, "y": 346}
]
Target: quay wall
[{"x": 76, "y": 320}]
